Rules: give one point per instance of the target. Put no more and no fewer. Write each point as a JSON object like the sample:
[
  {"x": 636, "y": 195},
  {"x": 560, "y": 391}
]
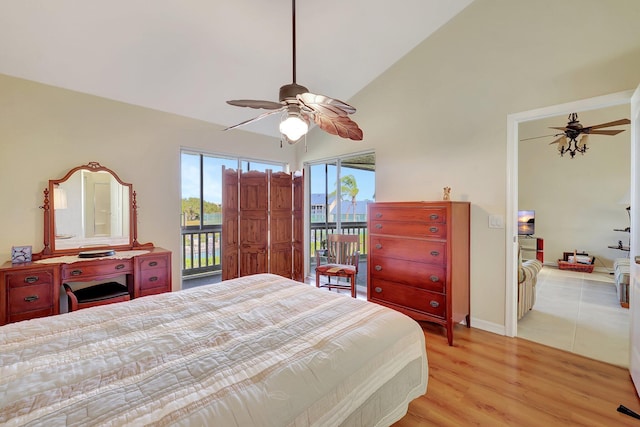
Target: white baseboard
[{"x": 488, "y": 326}]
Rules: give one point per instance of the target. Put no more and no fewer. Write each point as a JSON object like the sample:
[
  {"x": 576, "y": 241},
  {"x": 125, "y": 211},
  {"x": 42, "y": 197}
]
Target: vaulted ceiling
[{"x": 189, "y": 57}]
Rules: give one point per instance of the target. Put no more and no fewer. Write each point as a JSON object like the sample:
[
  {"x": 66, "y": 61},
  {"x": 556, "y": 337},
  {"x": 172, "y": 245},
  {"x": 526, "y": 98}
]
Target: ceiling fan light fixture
[
  {"x": 582, "y": 144},
  {"x": 294, "y": 124}
]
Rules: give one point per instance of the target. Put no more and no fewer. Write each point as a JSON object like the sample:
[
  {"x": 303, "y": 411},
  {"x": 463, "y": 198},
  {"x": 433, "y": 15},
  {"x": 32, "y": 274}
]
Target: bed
[{"x": 260, "y": 350}]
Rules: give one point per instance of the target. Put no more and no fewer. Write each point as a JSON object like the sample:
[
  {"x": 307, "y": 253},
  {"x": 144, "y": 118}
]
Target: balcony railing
[{"x": 201, "y": 248}]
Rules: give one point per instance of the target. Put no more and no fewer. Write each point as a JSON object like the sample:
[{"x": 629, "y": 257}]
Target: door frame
[{"x": 511, "y": 237}]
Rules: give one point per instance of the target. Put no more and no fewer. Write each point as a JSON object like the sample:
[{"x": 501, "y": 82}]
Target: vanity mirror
[{"x": 90, "y": 207}]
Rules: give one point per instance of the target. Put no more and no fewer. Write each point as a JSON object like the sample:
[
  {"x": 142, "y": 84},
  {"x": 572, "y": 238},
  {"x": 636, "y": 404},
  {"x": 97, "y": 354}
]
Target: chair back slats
[{"x": 342, "y": 249}]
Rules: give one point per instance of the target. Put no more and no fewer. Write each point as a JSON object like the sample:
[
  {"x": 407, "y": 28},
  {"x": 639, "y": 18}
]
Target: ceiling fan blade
[
  {"x": 261, "y": 116},
  {"x": 324, "y": 105},
  {"x": 538, "y": 137},
  {"x": 342, "y": 126},
  {"x": 560, "y": 128},
  {"x": 604, "y": 132},
  {"x": 614, "y": 123},
  {"x": 253, "y": 103}
]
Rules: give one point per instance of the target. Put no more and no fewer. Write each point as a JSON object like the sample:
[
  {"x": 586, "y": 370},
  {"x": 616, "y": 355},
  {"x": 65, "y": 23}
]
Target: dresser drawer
[
  {"x": 413, "y": 229},
  {"x": 30, "y": 278},
  {"x": 406, "y": 296},
  {"x": 156, "y": 261},
  {"x": 408, "y": 249},
  {"x": 85, "y": 271},
  {"x": 153, "y": 291},
  {"x": 389, "y": 213},
  {"x": 153, "y": 278},
  {"x": 30, "y": 298},
  {"x": 415, "y": 274}
]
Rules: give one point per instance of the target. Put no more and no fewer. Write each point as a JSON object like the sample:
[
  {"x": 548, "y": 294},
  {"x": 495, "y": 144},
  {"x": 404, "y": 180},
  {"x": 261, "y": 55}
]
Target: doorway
[
  {"x": 339, "y": 191},
  {"x": 513, "y": 123}
]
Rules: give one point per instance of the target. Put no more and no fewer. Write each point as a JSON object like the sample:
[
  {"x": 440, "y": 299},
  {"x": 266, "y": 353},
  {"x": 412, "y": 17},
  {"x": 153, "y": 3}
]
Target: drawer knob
[
  {"x": 378, "y": 268},
  {"x": 435, "y": 253},
  {"x": 378, "y": 226},
  {"x": 378, "y": 246},
  {"x": 153, "y": 263},
  {"x": 434, "y": 216},
  {"x": 378, "y": 289},
  {"x": 31, "y": 279},
  {"x": 76, "y": 272},
  {"x": 120, "y": 266},
  {"x": 434, "y": 278},
  {"x": 153, "y": 279},
  {"x": 434, "y": 304},
  {"x": 378, "y": 215},
  {"x": 433, "y": 229},
  {"x": 31, "y": 298}
]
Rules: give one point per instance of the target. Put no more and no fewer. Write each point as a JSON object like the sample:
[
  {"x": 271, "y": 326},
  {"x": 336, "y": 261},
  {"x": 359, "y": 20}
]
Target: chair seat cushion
[
  {"x": 336, "y": 269},
  {"x": 101, "y": 292}
]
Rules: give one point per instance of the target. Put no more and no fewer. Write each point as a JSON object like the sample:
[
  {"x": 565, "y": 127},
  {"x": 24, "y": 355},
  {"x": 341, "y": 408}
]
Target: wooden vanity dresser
[
  {"x": 94, "y": 211},
  {"x": 32, "y": 289}
]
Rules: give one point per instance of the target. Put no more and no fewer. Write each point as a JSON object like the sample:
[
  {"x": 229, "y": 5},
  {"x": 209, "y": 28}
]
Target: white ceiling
[{"x": 188, "y": 57}]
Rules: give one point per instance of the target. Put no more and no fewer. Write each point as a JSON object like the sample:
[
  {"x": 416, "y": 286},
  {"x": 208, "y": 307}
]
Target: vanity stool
[{"x": 101, "y": 294}]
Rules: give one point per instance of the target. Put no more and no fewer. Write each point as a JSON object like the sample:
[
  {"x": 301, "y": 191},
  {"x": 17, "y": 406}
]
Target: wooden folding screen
[{"x": 262, "y": 224}]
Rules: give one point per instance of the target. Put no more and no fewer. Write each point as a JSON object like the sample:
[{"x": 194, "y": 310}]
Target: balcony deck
[{"x": 200, "y": 280}]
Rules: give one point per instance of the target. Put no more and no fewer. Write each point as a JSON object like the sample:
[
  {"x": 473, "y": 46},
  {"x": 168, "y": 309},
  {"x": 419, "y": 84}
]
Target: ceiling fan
[
  {"x": 298, "y": 106},
  {"x": 568, "y": 140}
]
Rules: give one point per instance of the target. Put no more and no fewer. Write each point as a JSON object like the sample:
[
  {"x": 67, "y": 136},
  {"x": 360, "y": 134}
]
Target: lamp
[
  {"x": 59, "y": 202},
  {"x": 59, "y": 198},
  {"x": 294, "y": 124}
]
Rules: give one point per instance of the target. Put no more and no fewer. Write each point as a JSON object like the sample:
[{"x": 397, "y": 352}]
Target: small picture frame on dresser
[{"x": 20, "y": 254}]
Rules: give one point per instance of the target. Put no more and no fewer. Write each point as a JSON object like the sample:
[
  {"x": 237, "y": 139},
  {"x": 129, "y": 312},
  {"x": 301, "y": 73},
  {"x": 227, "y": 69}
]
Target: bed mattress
[{"x": 260, "y": 350}]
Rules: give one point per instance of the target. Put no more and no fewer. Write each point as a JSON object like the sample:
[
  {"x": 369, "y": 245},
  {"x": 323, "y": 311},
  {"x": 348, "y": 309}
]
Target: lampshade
[
  {"x": 294, "y": 125},
  {"x": 59, "y": 198},
  {"x": 582, "y": 145}
]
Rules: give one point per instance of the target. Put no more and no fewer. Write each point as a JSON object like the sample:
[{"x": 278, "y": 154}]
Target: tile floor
[{"x": 580, "y": 313}]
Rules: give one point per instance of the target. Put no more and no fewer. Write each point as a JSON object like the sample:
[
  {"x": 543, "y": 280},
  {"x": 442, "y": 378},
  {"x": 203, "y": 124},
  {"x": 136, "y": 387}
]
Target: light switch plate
[{"x": 496, "y": 221}]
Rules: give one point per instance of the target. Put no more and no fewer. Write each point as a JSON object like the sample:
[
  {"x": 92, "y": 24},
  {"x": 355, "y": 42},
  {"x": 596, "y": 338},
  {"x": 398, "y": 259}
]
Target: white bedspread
[{"x": 256, "y": 351}]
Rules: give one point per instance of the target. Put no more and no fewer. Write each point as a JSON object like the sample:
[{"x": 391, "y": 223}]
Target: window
[{"x": 201, "y": 217}]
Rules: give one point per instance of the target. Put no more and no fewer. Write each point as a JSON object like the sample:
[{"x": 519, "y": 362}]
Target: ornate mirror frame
[{"x": 50, "y": 248}]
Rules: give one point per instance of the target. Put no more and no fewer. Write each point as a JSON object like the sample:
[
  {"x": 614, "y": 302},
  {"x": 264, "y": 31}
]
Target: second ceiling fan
[
  {"x": 299, "y": 106},
  {"x": 568, "y": 140}
]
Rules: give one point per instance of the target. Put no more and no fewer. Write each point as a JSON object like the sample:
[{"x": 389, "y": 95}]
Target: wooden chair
[
  {"x": 104, "y": 293},
  {"x": 341, "y": 260}
]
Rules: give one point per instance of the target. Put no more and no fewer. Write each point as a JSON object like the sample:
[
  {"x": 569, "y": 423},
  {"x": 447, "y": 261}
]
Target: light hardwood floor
[{"x": 486, "y": 379}]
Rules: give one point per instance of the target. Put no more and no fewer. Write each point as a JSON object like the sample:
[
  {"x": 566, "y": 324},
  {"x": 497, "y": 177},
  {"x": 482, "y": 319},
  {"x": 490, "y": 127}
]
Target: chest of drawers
[{"x": 418, "y": 260}]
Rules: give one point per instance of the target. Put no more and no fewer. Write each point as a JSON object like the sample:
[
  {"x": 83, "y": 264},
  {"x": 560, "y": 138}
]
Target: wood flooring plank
[{"x": 486, "y": 379}]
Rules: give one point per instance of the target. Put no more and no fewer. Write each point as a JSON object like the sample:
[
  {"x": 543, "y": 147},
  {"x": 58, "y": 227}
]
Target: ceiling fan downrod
[
  {"x": 293, "y": 32},
  {"x": 289, "y": 92}
]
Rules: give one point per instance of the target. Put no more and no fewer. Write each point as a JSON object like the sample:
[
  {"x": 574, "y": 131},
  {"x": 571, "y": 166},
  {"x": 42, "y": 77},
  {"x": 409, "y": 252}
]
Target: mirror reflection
[{"x": 91, "y": 208}]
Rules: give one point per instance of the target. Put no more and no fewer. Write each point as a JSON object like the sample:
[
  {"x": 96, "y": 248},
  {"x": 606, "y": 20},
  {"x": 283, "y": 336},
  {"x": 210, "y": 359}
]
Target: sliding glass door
[
  {"x": 201, "y": 216},
  {"x": 340, "y": 190}
]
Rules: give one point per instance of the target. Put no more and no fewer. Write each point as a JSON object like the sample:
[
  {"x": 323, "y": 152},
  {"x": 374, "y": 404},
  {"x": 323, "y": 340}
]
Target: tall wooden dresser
[{"x": 418, "y": 260}]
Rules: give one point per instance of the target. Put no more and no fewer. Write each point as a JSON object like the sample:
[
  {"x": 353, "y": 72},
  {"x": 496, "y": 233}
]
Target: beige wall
[
  {"x": 46, "y": 131},
  {"x": 438, "y": 117}
]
